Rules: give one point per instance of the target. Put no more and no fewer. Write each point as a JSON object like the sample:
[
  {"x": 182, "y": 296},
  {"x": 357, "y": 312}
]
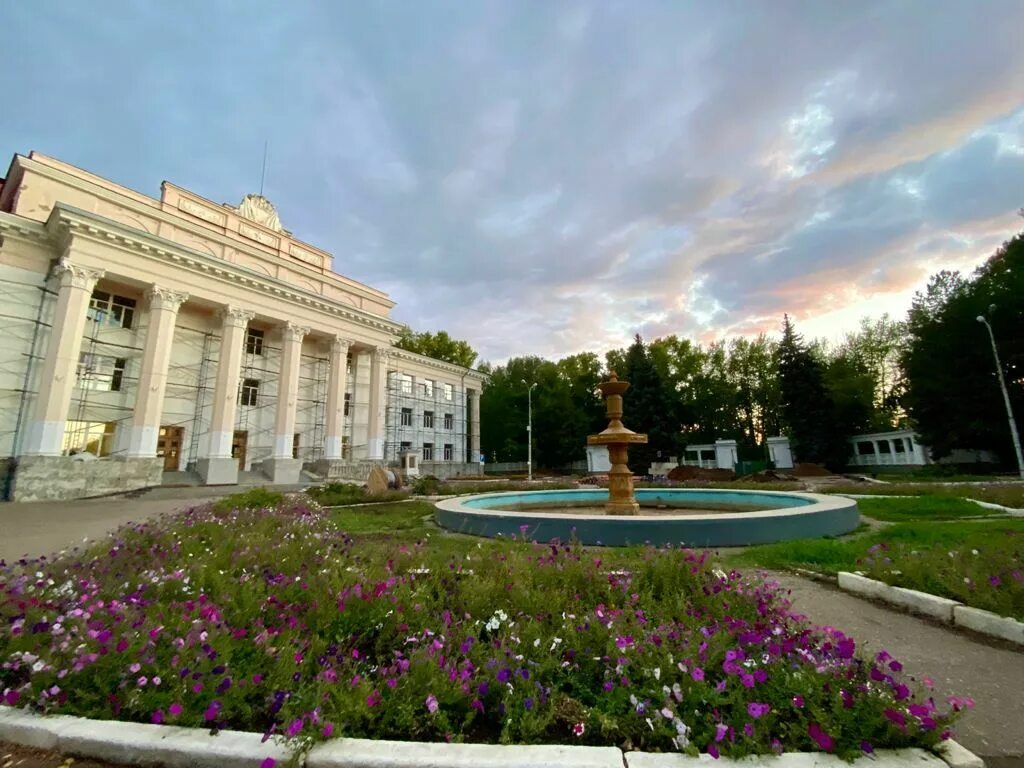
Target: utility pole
[
  {"x": 529, "y": 430},
  {"x": 1006, "y": 394}
]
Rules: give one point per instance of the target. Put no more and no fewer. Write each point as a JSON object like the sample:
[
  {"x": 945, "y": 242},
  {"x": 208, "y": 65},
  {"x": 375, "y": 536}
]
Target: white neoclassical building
[{"x": 177, "y": 339}]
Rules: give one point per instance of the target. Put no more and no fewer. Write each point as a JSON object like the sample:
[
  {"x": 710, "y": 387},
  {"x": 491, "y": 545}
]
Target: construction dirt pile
[
  {"x": 810, "y": 470},
  {"x": 699, "y": 473}
]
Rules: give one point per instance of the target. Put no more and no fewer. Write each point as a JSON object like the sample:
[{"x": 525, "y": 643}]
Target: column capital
[
  {"x": 235, "y": 315},
  {"x": 165, "y": 298},
  {"x": 77, "y": 276},
  {"x": 382, "y": 354},
  {"x": 341, "y": 343},
  {"x": 294, "y": 332}
]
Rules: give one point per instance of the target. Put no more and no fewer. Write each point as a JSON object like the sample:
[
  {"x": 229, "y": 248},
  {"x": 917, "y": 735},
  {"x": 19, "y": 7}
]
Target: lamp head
[{"x": 980, "y": 319}]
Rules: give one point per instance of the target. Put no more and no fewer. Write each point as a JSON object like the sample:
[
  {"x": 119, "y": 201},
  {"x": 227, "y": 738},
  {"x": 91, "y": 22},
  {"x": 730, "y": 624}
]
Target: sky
[{"x": 554, "y": 177}]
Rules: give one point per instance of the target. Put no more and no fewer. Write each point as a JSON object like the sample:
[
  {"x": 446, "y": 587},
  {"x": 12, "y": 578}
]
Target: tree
[
  {"x": 952, "y": 392},
  {"x": 649, "y": 408},
  {"x": 808, "y": 409},
  {"x": 876, "y": 347},
  {"x": 439, "y": 346}
]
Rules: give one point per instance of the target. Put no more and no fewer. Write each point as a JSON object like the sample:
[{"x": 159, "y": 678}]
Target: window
[
  {"x": 348, "y": 403},
  {"x": 428, "y": 388},
  {"x": 250, "y": 392},
  {"x": 254, "y": 342},
  {"x": 449, "y": 421},
  {"x": 449, "y": 392},
  {"x": 428, "y": 419},
  {"x": 108, "y": 309},
  {"x": 407, "y": 417},
  {"x": 100, "y": 372},
  {"x": 449, "y": 451},
  {"x": 428, "y": 451},
  {"x": 95, "y": 437},
  {"x": 405, "y": 382},
  {"x": 405, "y": 445}
]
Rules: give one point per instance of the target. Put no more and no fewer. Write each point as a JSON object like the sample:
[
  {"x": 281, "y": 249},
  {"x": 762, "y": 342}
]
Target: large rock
[{"x": 377, "y": 482}]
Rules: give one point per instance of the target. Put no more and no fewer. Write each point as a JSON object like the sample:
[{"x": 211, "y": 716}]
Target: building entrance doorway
[
  {"x": 168, "y": 445},
  {"x": 238, "y": 445}
]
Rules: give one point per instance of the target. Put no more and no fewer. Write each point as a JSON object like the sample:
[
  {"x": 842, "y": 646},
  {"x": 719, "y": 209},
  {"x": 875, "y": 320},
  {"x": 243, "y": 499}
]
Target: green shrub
[
  {"x": 341, "y": 494},
  {"x": 254, "y": 498},
  {"x": 427, "y": 485}
]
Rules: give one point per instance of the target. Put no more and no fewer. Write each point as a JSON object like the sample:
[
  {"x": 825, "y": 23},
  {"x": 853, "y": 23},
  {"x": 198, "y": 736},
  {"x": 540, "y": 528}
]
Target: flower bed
[
  {"x": 982, "y": 571},
  {"x": 276, "y": 620}
]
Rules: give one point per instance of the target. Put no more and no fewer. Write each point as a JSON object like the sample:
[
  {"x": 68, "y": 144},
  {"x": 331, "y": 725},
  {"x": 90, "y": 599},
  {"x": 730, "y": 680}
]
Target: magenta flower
[
  {"x": 328, "y": 730},
  {"x": 268, "y": 763},
  {"x": 712, "y": 750},
  {"x": 798, "y": 702},
  {"x": 720, "y": 730},
  {"x": 373, "y": 699},
  {"x": 294, "y": 728},
  {"x": 431, "y": 703},
  {"x": 157, "y": 717},
  {"x": 757, "y": 710},
  {"x": 579, "y": 729},
  {"x": 697, "y": 674},
  {"x": 896, "y": 717},
  {"x": 820, "y": 737},
  {"x": 174, "y": 709}
]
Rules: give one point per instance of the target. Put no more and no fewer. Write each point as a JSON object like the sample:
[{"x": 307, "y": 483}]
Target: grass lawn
[
  {"x": 1007, "y": 495},
  {"x": 978, "y": 563},
  {"x": 371, "y": 622},
  {"x": 921, "y": 508}
]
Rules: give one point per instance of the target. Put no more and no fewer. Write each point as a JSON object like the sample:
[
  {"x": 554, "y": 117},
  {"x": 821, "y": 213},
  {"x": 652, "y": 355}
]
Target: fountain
[
  {"x": 621, "y": 499},
  {"x": 621, "y": 516}
]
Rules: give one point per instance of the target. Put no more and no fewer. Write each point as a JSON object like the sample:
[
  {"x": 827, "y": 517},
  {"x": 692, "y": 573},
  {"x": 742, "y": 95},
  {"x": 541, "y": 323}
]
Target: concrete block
[
  {"x": 988, "y": 623},
  {"x": 940, "y": 608},
  {"x": 956, "y": 756},
  {"x": 862, "y": 585},
  {"x": 883, "y": 758},
  {"x": 282, "y": 471},
  {"x": 169, "y": 746},
  {"x": 370, "y": 753},
  {"x": 31, "y": 730},
  {"x": 218, "y": 471}
]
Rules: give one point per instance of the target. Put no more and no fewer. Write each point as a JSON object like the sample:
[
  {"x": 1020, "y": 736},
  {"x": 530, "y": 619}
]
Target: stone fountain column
[{"x": 621, "y": 499}]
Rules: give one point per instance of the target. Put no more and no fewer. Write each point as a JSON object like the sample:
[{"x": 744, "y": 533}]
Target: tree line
[{"x": 932, "y": 371}]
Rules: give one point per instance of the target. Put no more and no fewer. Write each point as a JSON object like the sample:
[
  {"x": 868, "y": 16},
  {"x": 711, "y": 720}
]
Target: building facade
[{"x": 144, "y": 338}]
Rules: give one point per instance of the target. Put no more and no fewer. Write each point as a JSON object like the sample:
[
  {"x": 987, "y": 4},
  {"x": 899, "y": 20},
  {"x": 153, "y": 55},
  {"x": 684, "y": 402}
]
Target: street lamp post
[
  {"x": 1006, "y": 395},
  {"x": 529, "y": 431}
]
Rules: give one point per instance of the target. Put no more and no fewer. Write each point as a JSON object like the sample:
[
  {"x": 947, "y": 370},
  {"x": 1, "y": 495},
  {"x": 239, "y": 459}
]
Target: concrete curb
[
  {"x": 941, "y": 608},
  {"x": 174, "y": 747}
]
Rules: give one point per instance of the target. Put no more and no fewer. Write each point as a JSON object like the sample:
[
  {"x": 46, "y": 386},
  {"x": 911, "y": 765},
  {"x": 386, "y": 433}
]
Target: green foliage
[
  {"x": 1005, "y": 494},
  {"x": 408, "y": 517},
  {"x": 339, "y": 494},
  {"x": 977, "y": 563},
  {"x": 920, "y": 508},
  {"x": 439, "y": 346},
  {"x": 952, "y": 392},
  {"x": 254, "y": 498},
  {"x": 426, "y": 485}
]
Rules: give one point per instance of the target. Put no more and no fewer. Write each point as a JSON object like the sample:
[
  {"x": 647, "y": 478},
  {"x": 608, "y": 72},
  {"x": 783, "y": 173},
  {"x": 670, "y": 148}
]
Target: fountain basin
[{"x": 760, "y": 517}]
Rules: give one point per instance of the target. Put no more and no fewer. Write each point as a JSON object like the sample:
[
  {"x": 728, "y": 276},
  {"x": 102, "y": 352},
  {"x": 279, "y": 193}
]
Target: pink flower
[
  {"x": 268, "y": 763},
  {"x": 757, "y": 710},
  {"x": 798, "y": 702},
  {"x": 431, "y": 703},
  {"x": 579, "y": 729},
  {"x": 174, "y": 709},
  {"x": 720, "y": 730},
  {"x": 328, "y": 730},
  {"x": 373, "y": 699}
]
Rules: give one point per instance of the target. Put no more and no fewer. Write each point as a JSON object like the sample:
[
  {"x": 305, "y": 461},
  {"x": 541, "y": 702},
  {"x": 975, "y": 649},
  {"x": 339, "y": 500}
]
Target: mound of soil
[
  {"x": 810, "y": 470},
  {"x": 698, "y": 473},
  {"x": 770, "y": 476}
]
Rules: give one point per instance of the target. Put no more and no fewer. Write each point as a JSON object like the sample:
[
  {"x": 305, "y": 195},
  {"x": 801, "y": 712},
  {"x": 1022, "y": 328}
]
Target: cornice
[
  {"x": 66, "y": 222},
  {"x": 430, "y": 362},
  {"x": 21, "y": 228},
  {"x": 152, "y": 207}
]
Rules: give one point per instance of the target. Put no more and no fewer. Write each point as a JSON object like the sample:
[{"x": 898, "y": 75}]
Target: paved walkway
[{"x": 990, "y": 673}]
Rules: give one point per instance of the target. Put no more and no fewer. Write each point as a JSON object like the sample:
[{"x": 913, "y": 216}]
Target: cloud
[{"x": 550, "y": 177}]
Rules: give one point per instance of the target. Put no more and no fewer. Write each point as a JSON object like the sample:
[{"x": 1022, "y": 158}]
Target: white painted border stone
[
  {"x": 862, "y": 585},
  {"x": 370, "y": 753},
  {"x": 921, "y": 602},
  {"x": 988, "y": 623},
  {"x": 883, "y": 758},
  {"x": 174, "y": 747}
]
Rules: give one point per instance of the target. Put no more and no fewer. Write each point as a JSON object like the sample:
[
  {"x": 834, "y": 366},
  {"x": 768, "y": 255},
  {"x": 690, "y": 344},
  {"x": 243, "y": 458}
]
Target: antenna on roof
[{"x": 263, "y": 175}]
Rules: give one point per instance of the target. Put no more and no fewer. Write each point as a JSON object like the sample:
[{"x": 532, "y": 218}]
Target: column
[
  {"x": 378, "y": 401},
  {"x": 282, "y": 467},
  {"x": 59, "y": 373},
  {"x": 217, "y": 467},
  {"x": 336, "y": 384},
  {"x": 156, "y": 357},
  {"x": 474, "y": 426}
]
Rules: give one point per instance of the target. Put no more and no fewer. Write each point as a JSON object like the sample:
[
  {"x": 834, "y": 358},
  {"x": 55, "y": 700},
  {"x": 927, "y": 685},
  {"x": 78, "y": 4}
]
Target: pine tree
[{"x": 647, "y": 408}]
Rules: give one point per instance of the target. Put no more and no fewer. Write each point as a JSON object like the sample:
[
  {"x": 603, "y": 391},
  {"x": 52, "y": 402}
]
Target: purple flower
[
  {"x": 157, "y": 717},
  {"x": 328, "y": 730},
  {"x": 174, "y": 709},
  {"x": 697, "y": 674},
  {"x": 504, "y": 675},
  {"x": 720, "y": 730},
  {"x": 294, "y": 728},
  {"x": 866, "y": 748},
  {"x": 268, "y": 763},
  {"x": 757, "y": 710},
  {"x": 431, "y": 703},
  {"x": 798, "y": 702},
  {"x": 994, "y": 581},
  {"x": 712, "y": 750},
  {"x": 896, "y": 717},
  {"x": 822, "y": 739}
]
